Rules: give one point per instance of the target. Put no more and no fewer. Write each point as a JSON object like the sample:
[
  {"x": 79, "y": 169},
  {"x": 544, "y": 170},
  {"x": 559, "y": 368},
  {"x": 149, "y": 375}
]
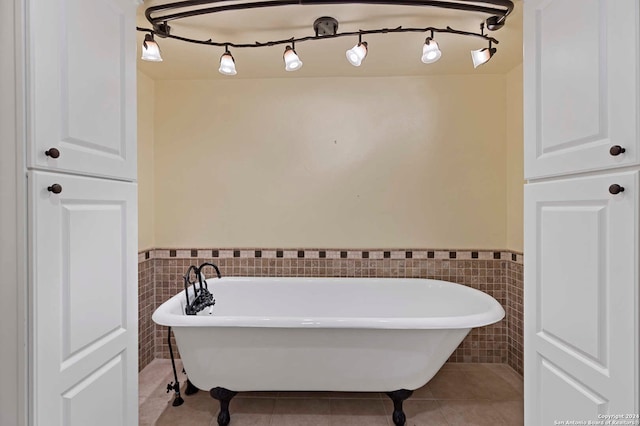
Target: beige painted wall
[
  {"x": 331, "y": 162},
  {"x": 146, "y": 107},
  {"x": 515, "y": 161}
]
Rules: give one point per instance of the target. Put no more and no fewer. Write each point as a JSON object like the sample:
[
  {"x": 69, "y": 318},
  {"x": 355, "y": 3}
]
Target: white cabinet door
[
  {"x": 83, "y": 302},
  {"x": 82, "y": 95},
  {"x": 580, "y": 85},
  {"x": 581, "y": 299}
]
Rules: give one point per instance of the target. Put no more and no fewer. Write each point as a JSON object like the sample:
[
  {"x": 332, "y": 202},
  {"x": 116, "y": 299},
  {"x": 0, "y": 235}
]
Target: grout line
[
  {"x": 273, "y": 411},
  {"x": 439, "y": 403},
  {"x": 387, "y": 414},
  {"x": 271, "y": 416}
]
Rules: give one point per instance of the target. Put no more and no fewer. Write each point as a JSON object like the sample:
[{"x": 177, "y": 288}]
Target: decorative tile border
[
  {"x": 246, "y": 253},
  {"x": 498, "y": 273}
]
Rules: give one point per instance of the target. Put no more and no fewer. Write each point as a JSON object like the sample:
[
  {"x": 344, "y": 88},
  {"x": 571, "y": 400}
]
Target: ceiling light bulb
[
  {"x": 227, "y": 64},
  {"x": 150, "y": 49},
  {"x": 430, "y": 51},
  {"x": 291, "y": 60},
  {"x": 481, "y": 56},
  {"x": 357, "y": 53}
]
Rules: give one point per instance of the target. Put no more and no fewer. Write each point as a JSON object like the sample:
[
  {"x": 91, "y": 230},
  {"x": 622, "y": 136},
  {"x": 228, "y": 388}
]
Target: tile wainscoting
[
  {"x": 515, "y": 315},
  {"x": 146, "y": 306},
  {"x": 498, "y": 273}
]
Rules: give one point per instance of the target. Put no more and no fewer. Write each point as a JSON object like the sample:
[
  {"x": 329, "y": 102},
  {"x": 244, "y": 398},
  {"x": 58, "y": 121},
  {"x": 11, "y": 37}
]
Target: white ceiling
[{"x": 389, "y": 54}]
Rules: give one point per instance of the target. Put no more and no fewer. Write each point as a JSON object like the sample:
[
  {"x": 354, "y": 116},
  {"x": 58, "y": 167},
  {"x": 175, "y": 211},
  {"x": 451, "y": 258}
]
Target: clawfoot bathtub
[{"x": 324, "y": 334}]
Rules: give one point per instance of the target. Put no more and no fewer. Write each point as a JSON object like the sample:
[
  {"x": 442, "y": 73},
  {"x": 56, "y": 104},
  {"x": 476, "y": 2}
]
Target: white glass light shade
[
  {"x": 291, "y": 60},
  {"x": 357, "y": 53},
  {"x": 150, "y": 49},
  {"x": 227, "y": 64},
  {"x": 430, "y": 51},
  {"x": 481, "y": 56}
]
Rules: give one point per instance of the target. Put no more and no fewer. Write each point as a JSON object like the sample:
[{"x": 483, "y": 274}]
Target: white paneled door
[
  {"x": 581, "y": 211},
  {"x": 84, "y": 300},
  {"x": 580, "y": 80},
  {"x": 82, "y": 69},
  {"x": 581, "y": 319}
]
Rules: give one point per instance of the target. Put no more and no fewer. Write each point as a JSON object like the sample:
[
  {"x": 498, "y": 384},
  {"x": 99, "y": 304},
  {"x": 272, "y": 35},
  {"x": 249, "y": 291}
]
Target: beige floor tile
[
  {"x": 151, "y": 409},
  {"x": 198, "y": 409},
  {"x": 357, "y": 395},
  {"x": 330, "y": 395},
  {"x": 489, "y": 385},
  {"x": 459, "y": 366},
  {"x": 154, "y": 378},
  {"x": 251, "y": 411},
  {"x": 477, "y": 382},
  {"x": 153, "y": 401},
  {"x": 452, "y": 384},
  {"x": 471, "y": 413},
  {"x": 261, "y": 394},
  {"x": 358, "y": 412},
  {"x": 306, "y": 395},
  {"x": 152, "y": 375},
  {"x": 419, "y": 412},
  {"x": 301, "y": 412},
  {"x": 511, "y": 411},
  {"x": 460, "y": 394},
  {"x": 422, "y": 393},
  {"x": 509, "y": 375}
]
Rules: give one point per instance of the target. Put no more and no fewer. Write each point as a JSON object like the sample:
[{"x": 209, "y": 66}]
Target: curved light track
[{"x": 159, "y": 17}]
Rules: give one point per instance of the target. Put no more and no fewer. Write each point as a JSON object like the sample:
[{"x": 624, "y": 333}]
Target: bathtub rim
[{"x": 165, "y": 314}]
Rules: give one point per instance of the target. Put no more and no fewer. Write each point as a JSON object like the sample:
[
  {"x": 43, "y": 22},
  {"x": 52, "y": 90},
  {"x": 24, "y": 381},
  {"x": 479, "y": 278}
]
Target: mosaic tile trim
[{"x": 246, "y": 253}]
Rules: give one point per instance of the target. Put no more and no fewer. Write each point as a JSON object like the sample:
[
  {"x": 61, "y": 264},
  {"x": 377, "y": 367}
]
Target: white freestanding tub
[{"x": 324, "y": 334}]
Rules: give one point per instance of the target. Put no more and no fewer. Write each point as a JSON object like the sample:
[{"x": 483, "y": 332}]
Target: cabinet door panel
[
  {"x": 580, "y": 85},
  {"x": 84, "y": 300},
  {"x": 581, "y": 301},
  {"x": 82, "y": 99}
]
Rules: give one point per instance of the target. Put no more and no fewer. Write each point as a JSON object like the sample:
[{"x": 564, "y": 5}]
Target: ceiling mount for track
[{"x": 325, "y": 25}]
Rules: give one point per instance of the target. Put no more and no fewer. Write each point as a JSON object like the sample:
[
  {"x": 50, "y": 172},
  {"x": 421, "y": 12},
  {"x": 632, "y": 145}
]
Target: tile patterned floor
[{"x": 460, "y": 394}]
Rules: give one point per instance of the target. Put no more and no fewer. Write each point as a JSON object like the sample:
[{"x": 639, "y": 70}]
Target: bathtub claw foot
[
  {"x": 224, "y": 396},
  {"x": 398, "y": 398},
  {"x": 190, "y": 389}
]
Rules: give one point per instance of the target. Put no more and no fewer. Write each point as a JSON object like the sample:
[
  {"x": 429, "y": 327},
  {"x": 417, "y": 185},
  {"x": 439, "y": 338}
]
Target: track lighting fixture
[
  {"x": 325, "y": 27},
  {"x": 227, "y": 63},
  {"x": 430, "y": 50},
  {"x": 357, "y": 53},
  {"x": 291, "y": 60},
  {"x": 481, "y": 56},
  {"x": 150, "y": 49}
]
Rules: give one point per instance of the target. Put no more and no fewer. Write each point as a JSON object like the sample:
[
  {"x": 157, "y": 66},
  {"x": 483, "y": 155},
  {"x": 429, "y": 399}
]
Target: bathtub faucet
[{"x": 202, "y": 297}]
